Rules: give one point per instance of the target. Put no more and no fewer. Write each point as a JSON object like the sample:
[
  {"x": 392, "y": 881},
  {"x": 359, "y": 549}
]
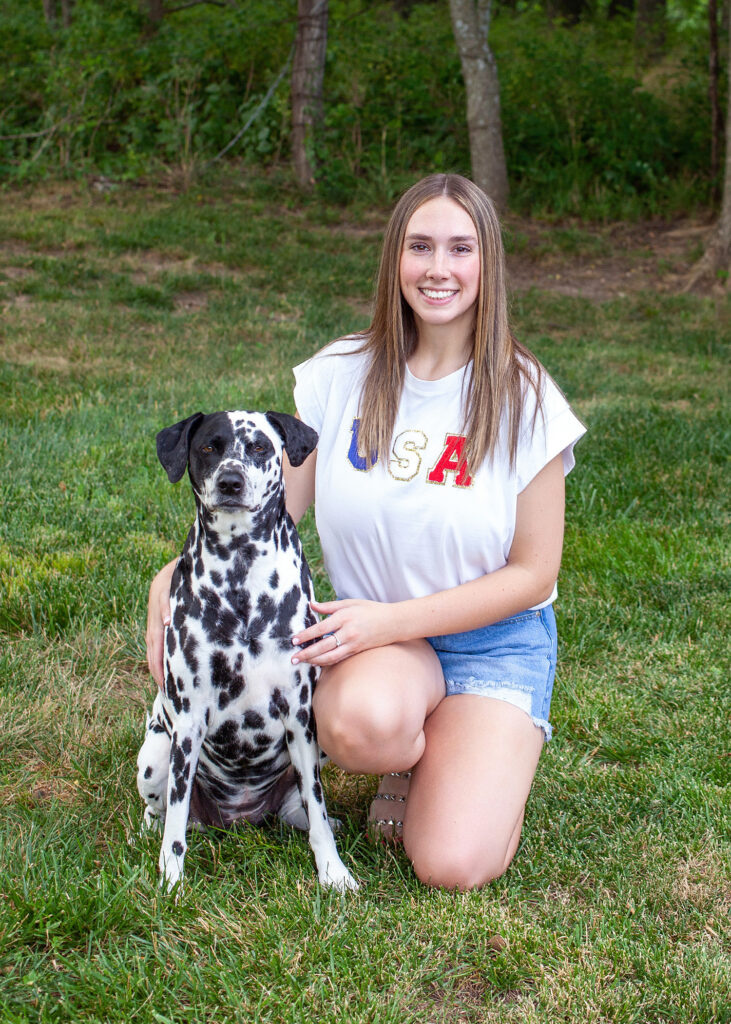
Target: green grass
[{"x": 122, "y": 314}]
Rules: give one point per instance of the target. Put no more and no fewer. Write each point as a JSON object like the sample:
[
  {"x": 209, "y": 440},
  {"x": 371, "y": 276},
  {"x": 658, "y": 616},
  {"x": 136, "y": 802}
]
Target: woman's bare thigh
[{"x": 371, "y": 708}]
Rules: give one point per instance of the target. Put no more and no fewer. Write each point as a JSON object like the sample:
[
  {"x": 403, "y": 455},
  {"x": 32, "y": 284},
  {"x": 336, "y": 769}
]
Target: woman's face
[{"x": 440, "y": 265}]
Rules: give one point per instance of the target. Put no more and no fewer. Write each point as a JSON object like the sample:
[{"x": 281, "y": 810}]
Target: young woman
[{"x": 438, "y": 484}]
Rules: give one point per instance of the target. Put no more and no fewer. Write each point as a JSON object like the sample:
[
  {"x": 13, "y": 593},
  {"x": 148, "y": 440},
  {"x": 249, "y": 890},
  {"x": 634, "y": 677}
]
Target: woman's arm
[
  {"x": 526, "y": 580},
  {"x": 158, "y": 616},
  {"x": 299, "y": 483}
]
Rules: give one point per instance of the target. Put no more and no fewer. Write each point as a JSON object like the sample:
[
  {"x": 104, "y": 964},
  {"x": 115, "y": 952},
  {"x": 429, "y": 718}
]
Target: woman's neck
[{"x": 439, "y": 352}]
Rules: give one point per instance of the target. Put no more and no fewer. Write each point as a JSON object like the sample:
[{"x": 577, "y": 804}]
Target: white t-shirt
[{"x": 417, "y": 523}]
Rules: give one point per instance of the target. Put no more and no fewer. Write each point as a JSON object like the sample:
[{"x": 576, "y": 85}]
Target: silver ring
[{"x": 335, "y": 638}]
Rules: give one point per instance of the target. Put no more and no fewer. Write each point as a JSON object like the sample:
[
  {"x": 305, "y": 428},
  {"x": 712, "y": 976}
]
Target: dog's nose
[{"x": 230, "y": 483}]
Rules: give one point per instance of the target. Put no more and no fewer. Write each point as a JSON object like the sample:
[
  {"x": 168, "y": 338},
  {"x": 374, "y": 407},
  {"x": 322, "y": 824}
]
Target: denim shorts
[{"x": 512, "y": 660}]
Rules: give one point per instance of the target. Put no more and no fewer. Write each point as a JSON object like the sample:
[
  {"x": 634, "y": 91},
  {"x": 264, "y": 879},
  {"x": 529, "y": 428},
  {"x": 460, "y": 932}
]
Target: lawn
[{"x": 126, "y": 309}]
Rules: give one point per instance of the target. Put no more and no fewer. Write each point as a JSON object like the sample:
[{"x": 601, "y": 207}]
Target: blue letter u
[{"x": 356, "y": 460}]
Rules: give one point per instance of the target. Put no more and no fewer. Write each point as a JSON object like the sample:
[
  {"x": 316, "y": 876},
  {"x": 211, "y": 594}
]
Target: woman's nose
[{"x": 438, "y": 266}]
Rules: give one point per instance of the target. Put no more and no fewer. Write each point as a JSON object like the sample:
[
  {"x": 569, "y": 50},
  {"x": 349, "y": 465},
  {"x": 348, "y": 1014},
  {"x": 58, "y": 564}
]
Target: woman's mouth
[{"x": 438, "y": 294}]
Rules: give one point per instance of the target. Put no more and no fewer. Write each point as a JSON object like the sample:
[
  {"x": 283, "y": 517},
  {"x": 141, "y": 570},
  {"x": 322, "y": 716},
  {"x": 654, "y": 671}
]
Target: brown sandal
[{"x": 392, "y": 792}]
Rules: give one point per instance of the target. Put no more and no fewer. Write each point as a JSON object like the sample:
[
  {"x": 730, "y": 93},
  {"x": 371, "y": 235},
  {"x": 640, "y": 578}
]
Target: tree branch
[
  {"x": 257, "y": 112},
  {"x": 195, "y": 3}
]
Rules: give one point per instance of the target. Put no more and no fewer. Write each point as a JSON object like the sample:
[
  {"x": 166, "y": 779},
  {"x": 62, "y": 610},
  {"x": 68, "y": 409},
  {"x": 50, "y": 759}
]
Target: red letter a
[{"x": 451, "y": 461}]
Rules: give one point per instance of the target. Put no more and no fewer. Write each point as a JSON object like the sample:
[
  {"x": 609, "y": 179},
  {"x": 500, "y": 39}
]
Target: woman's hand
[
  {"x": 349, "y": 627},
  {"x": 158, "y": 617}
]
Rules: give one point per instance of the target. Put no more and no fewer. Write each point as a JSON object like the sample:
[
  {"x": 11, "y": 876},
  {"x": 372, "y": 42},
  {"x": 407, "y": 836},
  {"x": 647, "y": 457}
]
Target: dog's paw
[
  {"x": 171, "y": 874},
  {"x": 151, "y": 822},
  {"x": 337, "y": 876}
]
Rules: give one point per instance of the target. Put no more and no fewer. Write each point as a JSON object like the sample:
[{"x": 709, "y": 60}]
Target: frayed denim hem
[{"x": 518, "y": 695}]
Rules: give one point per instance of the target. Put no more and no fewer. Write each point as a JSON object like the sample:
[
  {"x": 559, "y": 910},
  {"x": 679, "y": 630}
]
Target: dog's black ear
[
  {"x": 173, "y": 446},
  {"x": 299, "y": 439}
]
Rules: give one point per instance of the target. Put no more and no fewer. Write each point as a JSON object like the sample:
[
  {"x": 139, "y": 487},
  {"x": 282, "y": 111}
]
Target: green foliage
[{"x": 586, "y": 132}]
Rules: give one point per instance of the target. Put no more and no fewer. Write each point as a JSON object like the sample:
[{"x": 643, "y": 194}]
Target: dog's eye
[
  {"x": 207, "y": 449},
  {"x": 258, "y": 448}
]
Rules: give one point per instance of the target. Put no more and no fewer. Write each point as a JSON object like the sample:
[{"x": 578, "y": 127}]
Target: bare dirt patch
[{"x": 606, "y": 262}]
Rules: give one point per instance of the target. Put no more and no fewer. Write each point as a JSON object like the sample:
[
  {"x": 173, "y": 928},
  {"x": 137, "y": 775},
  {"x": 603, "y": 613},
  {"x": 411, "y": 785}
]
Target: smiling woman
[{"x": 438, "y": 656}]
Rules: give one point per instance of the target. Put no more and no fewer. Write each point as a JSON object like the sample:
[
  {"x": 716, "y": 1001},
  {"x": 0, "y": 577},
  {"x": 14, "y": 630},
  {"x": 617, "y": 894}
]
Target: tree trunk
[
  {"x": 155, "y": 14},
  {"x": 50, "y": 10},
  {"x": 308, "y": 71},
  {"x": 471, "y": 24},
  {"x": 650, "y": 29},
  {"x": 717, "y": 258},
  {"x": 714, "y": 75}
]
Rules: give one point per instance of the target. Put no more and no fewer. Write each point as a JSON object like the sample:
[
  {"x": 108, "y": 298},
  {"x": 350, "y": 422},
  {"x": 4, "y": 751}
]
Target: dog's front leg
[
  {"x": 304, "y": 754},
  {"x": 153, "y": 769},
  {"x": 184, "y": 752}
]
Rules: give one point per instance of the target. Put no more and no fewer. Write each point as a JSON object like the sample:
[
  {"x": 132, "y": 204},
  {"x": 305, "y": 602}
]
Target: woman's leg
[
  {"x": 467, "y": 795},
  {"x": 473, "y": 758},
  {"x": 371, "y": 708}
]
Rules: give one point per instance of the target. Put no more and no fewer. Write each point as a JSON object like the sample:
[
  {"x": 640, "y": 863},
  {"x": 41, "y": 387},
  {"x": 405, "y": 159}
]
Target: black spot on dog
[
  {"x": 211, "y": 599},
  {"x": 178, "y": 848},
  {"x": 305, "y": 580},
  {"x": 171, "y": 642},
  {"x": 189, "y": 649},
  {"x": 180, "y": 768},
  {"x": 226, "y": 680},
  {"x": 317, "y": 792},
  {"x": 274, "y": 580},
  {"x": 304, "y": 694},
  {"x": 266, "y": 607},
  {"x": 253, "y": 720},
  {"x": 225, "y": 740},
  {"x": 217, "y": 580},
  {"x": 286, "y": 609},
  {"x": 302, "y": 717},
  {"x": 148, "y": 772},
  {"x": 278, "y": 705}
]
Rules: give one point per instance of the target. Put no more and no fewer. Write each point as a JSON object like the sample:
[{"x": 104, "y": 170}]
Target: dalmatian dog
[{"x": 232, "y": 736}]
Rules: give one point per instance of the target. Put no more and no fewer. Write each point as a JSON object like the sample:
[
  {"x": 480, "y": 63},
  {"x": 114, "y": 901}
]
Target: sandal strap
[
  {"x": 400, "y": 775},
  {"x": 390, "y": 796},
  {"x": 387, "y": 821}
]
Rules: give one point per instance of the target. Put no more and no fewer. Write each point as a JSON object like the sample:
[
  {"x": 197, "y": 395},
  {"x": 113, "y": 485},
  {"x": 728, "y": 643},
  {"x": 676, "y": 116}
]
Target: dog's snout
[{"x": 230, "y": 483}]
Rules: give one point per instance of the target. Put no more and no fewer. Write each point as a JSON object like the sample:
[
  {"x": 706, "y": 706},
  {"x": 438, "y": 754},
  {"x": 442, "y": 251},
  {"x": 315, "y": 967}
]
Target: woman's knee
[
  {"x": 363, "y": 732},
  {"x": 461, "y": 867},
  {"x": 367, "y": 720},
  {"x": 466, "y": 861}
]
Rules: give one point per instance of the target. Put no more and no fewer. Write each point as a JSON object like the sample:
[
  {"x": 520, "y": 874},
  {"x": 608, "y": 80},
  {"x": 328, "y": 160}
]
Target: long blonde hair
[{"x": 501, "y": 368}]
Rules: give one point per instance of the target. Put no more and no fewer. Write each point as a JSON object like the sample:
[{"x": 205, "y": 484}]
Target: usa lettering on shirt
[{"x": 406, "y": 458}]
